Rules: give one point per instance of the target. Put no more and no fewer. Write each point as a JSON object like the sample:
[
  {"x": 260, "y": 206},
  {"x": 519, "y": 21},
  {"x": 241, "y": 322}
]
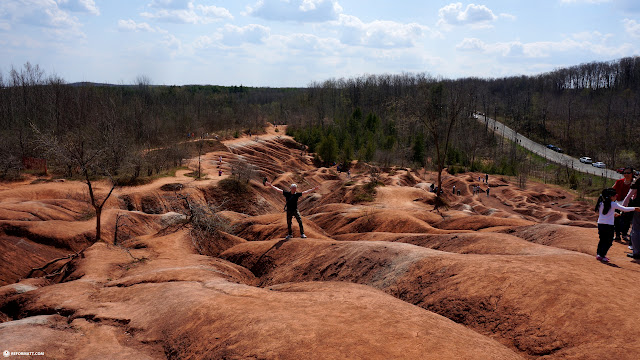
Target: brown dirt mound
[
  {"x": 499, "y": 276},
  {"x": 494, "y": 297},
  {"x": 459, "y": 242},
  {"x": 147, "y": 317},
  {"x": 476, "y": 222}
]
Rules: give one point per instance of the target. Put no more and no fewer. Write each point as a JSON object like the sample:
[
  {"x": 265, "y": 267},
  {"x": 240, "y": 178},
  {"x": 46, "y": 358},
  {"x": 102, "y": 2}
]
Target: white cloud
[
  {"x": 84, "y": 6},
  {"x": 514, "y": 48},
  {"x": 173, "y": 44},
  {"x": 586, "y": 42},
  {"x": 214, "y": 11},
  {"x": 508, "y": 16},
  {"x": 632, "y": 27},
  {"x": 173, "y": 16},
  {"x": 184, "y": 12},
  {"x": 203, "y": 42},
  {"x": 45, "y": 14},
  {"x": 380, "y": 34},
  {"x": 234, "y": 35},
  {"x": 475, "y": 15},
  {"x": 472, "y": 44},
  {"x": 308, "y": 43},
  {"x": 296, "y": 10},
  {"x": 170, "y": 4},
  {"x": 130, "y": 25}
]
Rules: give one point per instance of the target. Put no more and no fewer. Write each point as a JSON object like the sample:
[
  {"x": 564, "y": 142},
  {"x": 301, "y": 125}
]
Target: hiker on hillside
[
  {"x": 632, "y": 199},
  {"x": 623, "y": 222},
  {"x": 606, "y": 208},
  {"x": 291, "y": 206}
]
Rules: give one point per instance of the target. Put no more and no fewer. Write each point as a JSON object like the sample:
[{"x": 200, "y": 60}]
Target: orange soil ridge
[{"x": 509, "y": 276}]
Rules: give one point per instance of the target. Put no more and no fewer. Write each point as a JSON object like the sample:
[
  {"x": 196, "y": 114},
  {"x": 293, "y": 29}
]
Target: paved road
[{"x": 562, "y": 159}]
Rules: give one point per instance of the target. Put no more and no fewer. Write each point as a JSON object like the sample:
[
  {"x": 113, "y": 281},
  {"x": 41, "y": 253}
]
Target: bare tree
[
  {"x": 205, "y": 224},
  {"x": 200, "y": 146},
  {"x": 81, "y": 151},
  {"x": 438, "y": 108},
  {"x": 242, "y": 171}
]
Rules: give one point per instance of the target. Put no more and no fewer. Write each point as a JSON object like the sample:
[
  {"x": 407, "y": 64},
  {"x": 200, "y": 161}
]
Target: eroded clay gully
[{"x": 509, "y": 276}]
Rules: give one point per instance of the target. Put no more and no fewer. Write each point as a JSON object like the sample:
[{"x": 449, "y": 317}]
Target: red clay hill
[{"x": 506, "y": 276}]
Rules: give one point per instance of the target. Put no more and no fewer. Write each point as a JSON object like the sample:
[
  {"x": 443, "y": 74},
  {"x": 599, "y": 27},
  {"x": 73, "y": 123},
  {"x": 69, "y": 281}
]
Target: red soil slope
[{"x": 506, "y": 276}]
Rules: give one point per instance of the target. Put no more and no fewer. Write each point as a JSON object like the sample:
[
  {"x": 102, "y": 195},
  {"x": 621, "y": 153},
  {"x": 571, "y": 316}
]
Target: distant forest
[{"x": 408, "y": 119}]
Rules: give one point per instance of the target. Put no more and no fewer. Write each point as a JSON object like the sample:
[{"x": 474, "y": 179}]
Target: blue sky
[{"x": 294, "y": 42}]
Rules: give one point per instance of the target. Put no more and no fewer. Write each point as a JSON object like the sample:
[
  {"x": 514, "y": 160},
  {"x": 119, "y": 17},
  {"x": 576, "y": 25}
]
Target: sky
[{"x": 292, "y": 43}]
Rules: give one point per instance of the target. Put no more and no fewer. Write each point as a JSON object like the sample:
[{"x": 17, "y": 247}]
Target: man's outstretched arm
[
  {"x": 273, "y": 187},
  {"x": 310, "y": 190}
]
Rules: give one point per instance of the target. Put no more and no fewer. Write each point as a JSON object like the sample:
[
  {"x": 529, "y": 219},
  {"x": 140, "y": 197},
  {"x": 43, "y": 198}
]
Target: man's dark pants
[{"x": 291, "y": 214}]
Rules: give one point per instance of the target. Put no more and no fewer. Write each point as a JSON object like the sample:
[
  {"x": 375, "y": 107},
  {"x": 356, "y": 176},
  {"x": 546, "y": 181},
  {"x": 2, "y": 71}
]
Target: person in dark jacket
[{"x": 291, "y": 206}]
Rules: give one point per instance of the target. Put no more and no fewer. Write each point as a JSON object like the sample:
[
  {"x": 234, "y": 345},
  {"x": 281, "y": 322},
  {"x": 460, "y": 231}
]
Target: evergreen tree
[
  {"x": 328, "y": 149},
  {"x": 372, "y": 123}
]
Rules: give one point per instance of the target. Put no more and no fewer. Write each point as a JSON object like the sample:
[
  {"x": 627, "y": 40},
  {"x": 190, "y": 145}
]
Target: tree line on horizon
[{"x": 406, "y": 119}]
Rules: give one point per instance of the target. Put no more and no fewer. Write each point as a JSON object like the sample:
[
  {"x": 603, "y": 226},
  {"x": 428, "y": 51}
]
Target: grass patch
[
  {"x": 366, "y": 192},
  {"x": 128, "y": 180},
  {"x": 233, "y": 186},
  {"x": 546, "y": 171},
  {"x": 194, "y": 174}
]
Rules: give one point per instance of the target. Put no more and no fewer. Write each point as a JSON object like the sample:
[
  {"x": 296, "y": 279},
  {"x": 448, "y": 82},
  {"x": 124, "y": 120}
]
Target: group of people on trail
[
  {"x": 476, "y": 189},
  {"x": 341, "y": 168},
  {"x": 291, "y": 206},
  {"x": 618, "y": 209},
  {"x": 434, "y": 189}
]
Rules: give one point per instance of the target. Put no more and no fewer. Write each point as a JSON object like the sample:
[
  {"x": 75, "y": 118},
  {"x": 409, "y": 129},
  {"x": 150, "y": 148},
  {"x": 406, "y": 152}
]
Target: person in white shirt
[{"x": 606, "y": 208}]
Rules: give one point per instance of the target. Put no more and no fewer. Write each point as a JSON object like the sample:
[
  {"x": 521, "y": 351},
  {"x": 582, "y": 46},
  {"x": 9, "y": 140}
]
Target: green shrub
[{"x": 233, "y": 185}]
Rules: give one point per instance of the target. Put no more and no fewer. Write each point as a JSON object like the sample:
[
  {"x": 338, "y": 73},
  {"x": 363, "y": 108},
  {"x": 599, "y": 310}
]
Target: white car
[
  {"x": 586, "y": 160},
  {"x": 599, "y": 164}
]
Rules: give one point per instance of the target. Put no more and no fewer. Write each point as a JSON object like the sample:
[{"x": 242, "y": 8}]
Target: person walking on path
[
  {"x": 606, "y": 208},
  {"x": 291, "y": 206},
  {"x": 488, "y": 191},
  {"x": 632, "y": 199},
  {"x": 623, "y": 222}
]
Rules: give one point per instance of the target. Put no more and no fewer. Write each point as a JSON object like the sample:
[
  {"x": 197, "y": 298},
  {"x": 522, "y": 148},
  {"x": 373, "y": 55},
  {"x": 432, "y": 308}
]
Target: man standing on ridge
[{"x": 291, "y": 206}]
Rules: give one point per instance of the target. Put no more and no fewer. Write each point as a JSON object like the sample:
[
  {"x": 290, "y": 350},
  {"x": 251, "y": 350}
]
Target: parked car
[
  {"x": 586, "y": 160},
  {"x": 555, "y": 148},
  {"x": 599, "y": 164},
  {"x": 620, "y": 170}
]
